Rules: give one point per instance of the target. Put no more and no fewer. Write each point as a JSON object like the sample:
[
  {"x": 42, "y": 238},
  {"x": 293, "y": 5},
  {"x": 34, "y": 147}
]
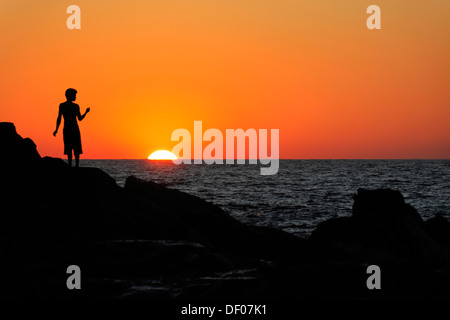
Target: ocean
[{"x": 303, "y": 192}]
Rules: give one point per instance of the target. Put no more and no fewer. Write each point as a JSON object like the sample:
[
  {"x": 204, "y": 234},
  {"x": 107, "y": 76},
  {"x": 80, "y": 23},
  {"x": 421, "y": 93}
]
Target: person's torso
[{"x": 69, "y": 111}]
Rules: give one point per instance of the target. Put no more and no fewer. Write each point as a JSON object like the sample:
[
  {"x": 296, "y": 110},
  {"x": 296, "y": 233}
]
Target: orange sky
[{"x": 309, "y": 68}]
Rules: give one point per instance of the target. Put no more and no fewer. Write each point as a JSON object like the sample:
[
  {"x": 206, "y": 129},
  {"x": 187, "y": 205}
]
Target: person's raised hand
[{"x": 88, "y": 109}]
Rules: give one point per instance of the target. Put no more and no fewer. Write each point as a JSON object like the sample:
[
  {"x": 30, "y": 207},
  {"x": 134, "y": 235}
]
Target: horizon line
[{"x": 273, "y": 159}]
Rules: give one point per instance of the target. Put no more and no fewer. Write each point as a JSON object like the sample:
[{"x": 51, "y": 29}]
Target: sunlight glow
[{"x": 162, "y": 155}]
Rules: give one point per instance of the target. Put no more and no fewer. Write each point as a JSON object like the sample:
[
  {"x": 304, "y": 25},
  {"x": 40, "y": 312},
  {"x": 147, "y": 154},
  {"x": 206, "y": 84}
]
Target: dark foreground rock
[
  {"x": 149, "y": 242},
  {"x": 384, "y": 227}
]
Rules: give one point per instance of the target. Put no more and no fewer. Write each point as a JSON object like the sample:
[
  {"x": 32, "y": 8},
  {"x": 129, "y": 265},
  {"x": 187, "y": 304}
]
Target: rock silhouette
[
  {"x": 382, "y": 226},
  {"x": 145, "y": 241}
]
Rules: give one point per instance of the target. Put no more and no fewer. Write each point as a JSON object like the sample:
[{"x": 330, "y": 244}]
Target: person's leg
[
  {"x": 77, "y": 160},
  {"x": 69, "y": 159}
]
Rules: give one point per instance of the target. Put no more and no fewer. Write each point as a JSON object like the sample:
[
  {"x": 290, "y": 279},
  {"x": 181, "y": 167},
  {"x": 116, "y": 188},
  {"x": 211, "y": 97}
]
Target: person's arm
[
  {"x": 58, "y": 121},
  {"x": 81, "y": 117}
]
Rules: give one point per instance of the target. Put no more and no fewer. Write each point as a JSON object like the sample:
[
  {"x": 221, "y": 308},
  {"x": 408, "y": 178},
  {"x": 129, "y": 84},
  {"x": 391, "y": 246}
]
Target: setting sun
[{"x": 162, "y": 155}]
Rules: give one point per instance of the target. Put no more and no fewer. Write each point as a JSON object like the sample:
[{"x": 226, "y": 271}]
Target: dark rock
[
  {"x": 16, "y": 150},
  {"x": 382, "y": 227},
  {"x": 439, "y": 229},
  {"x": 215, "y": 226}
]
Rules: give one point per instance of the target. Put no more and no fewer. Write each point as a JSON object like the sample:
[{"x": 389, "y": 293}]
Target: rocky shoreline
[{"x": 145, "y": 241}]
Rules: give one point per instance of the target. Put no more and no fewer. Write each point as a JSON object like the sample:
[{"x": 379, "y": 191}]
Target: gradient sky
[{"x": 309, "y": 68}]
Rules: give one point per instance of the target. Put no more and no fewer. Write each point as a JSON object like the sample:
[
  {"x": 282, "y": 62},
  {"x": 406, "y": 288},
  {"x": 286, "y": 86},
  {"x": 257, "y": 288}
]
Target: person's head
[{"x": 71, "y": 94}]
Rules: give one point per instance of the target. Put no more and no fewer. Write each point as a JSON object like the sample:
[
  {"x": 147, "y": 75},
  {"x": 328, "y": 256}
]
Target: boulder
[
  {"x": 382, "y": 226},
  {"x": 439, "y": 229},
  {"x": 214, "y": 226},
  {"x": 15, "y": 149}
]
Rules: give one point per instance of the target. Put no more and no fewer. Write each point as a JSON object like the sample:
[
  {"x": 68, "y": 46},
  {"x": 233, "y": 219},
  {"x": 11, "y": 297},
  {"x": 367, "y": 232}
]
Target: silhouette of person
[{"x": 71, "y": 133}]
